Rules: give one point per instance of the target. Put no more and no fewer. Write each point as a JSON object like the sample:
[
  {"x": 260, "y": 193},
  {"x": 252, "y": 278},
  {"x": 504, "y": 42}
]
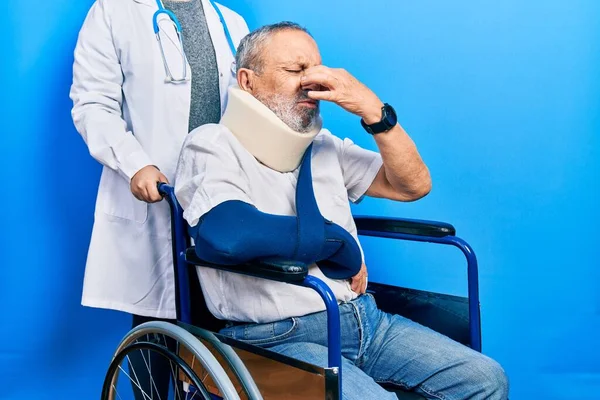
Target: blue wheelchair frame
[{"x": 392, "y": 228}]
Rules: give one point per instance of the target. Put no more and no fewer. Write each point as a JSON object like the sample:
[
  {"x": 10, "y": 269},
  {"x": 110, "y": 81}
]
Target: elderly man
[{"x": 226, "y": 177}]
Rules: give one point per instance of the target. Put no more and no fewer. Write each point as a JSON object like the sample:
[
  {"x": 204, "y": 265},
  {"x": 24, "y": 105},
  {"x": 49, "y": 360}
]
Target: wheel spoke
[
  {"x": 136, "y": 382},
  {"x": 117, "y": 392},
  {"x": 175, "y": 382},
  {"x": 148, "y": 366}
]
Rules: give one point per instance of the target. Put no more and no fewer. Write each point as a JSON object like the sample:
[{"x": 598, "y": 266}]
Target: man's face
[{"x": 285, "y": 57}]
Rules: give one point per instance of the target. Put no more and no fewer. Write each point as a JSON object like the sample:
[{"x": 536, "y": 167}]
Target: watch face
[{"x": 390, "y": 115}]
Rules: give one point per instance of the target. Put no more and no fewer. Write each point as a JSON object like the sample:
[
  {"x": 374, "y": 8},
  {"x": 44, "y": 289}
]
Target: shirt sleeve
[
  {"x": 208, "y": 174},
  {"x": 97, "y": 97},
  {"x": 359, "y": 167}
]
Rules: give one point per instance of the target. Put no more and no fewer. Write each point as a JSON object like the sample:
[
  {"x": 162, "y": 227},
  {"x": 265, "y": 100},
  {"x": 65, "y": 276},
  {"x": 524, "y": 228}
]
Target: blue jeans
[{"x": 383, "y": 348}]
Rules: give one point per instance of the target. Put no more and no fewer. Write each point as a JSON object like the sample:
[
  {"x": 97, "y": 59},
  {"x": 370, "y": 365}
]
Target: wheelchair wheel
[{"x": 149, "y": 341}]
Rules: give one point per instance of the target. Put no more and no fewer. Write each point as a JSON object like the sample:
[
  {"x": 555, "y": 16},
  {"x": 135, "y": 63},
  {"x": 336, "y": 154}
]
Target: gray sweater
[{"x": 205, "y": 106}]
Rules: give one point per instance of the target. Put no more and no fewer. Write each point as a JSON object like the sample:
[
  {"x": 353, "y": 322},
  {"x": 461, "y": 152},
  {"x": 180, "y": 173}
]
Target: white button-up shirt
[{"x": 214, "y": 168}]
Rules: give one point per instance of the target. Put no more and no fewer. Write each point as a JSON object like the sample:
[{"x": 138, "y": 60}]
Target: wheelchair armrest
[
  {"x": 275, "y": 270},
  {"x": 403, "y": 225}
]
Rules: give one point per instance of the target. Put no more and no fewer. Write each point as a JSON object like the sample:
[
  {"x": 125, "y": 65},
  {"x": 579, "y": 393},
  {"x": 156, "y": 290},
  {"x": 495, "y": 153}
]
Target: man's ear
[{"x": 245, "y": 79}]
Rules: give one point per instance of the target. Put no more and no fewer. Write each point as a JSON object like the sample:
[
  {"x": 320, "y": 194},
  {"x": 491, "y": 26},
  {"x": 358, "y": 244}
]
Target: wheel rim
[{"x": 184, "y": 342}]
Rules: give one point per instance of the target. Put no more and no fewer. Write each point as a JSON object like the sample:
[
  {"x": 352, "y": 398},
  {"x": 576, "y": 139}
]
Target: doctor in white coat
[{"x": 134, "y": 122}]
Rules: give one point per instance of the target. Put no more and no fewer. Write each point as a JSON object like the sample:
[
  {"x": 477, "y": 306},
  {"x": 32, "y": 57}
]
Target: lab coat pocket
[{"x": 117, "y": 199}]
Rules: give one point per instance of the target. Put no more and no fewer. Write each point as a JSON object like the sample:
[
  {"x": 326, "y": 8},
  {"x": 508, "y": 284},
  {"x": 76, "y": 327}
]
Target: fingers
[
  {"x": 137, "y": 194},
  {"x": 138, "y": 190},
  {"x": 318, "y": 69},
  {"x": 363, "y": 285},
  {"x": 153, "y": 193},
  {"x": 354, "y": 285},
  {"x": 146, "y": 195},
  {"x": 358, "y": 283},
  {"x": 147, "y": 191},
  {"x": 163, "y": 179},
  {"x": 340, "y": 87},
  {"x": 144, "y": 184},
  {"x": 316, "y": 95},
  {"x": 152, "y": 190},
  {"x": 323, "y": 78}
]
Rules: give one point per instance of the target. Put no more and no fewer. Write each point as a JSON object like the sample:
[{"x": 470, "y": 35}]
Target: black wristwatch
[{"x": 388, "y": 121}]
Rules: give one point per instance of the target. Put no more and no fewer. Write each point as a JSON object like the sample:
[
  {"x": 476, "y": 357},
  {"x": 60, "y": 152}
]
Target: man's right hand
[
  {"x": 144, "y": 184},
  {"x": 358, "y": 282}
]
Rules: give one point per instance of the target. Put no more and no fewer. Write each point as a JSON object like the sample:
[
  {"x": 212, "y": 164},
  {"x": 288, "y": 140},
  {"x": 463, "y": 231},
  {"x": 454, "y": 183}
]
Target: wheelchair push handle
[
  {"x": 164, "y": 189},
  {"x": 168, "y": 193}
]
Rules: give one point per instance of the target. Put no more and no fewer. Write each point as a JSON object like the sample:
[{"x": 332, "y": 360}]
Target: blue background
[{"x": 502, "y": 99}]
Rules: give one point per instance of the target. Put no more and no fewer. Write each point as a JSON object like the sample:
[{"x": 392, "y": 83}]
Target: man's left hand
[
  {"x": 358, "y": 282},
  {"x": 341, "y": 88}
]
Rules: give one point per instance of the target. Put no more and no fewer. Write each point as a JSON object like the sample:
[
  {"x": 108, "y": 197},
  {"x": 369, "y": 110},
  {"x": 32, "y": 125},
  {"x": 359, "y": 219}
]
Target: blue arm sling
[{"x": 235, "y": 232}]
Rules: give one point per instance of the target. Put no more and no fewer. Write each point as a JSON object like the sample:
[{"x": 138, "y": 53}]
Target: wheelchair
[{"x": 206, "y": 365}]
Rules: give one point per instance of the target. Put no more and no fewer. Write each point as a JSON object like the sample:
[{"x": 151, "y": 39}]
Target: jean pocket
[{"x": 269, "y": 333}]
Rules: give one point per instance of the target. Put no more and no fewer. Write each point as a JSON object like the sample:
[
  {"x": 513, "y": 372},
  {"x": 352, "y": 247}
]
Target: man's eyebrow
[{"x": 299, "y": 63}]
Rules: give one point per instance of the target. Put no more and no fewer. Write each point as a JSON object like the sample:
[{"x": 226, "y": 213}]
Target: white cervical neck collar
[{"x": 263, "y": 134}]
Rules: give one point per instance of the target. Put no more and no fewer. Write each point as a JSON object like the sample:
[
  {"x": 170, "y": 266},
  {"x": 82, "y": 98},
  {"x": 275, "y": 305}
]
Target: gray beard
[{"x": 284, "y": 108}]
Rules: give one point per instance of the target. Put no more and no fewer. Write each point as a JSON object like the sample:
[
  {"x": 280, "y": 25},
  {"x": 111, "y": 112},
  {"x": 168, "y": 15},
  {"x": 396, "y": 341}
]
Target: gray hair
[{"x": 250, "y": 48}]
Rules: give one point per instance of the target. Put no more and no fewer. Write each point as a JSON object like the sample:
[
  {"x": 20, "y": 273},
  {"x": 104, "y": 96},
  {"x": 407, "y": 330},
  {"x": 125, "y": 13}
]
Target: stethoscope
[{"x": 162, "y": 10}]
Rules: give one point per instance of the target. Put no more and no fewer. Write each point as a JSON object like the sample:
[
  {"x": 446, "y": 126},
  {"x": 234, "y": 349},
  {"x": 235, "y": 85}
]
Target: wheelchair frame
[{"x": 394, "y": 228}]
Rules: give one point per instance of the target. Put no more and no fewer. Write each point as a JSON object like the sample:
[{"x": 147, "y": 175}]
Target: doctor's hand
[
  {"x": 338, "y": 86},
  {"x": 143, "y": 184},
  {"x": 358, "y": 282}
]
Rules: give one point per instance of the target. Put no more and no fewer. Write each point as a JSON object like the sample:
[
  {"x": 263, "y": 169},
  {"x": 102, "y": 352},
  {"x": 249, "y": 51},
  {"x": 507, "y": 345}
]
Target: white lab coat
[{"x": 129, "y": 118}]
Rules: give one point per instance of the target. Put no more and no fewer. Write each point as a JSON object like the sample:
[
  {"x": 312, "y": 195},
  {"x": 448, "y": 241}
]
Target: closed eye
[{"x": 294, "y": 71}]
